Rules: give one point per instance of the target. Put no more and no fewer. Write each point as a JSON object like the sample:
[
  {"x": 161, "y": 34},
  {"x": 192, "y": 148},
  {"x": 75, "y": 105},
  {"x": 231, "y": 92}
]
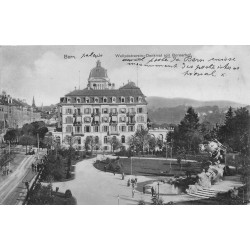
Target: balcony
[
  {"x": 131, "y": 123},
  {"x": 95, "y": 114},
  {"x": 77, "y": 123},
  {"x": 131, "y": 113},
  {"x": 77, "y": 114}
]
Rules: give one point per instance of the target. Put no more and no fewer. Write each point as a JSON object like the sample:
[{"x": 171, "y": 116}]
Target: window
[
  {"x": 87, "y": 119},
  {"x": 96, "y": 111},
  {"x": 140, "y": 110},
  {"x": 105, "y": 100},
  {"x": 79, "y": 140},
  {"x": 113, "y": 128},
  {"x": 105, "y": 111},
  {"x": 69, "y": 119},
  {"x": 68, "y": 111},
  {"x": 78, "y": 100},
  {"x": 122, "y": 99},
  {"x": 69, "y": 129},
  {"x": 105, "y": 119},
  {"x": 87, "y": 129},
  {"x": 113, "y": 99},
  {"x": 78, "y": 111},
  {"x": 131, "y": 110},
  {"x": 139, "y": 127},
  {"x": 96, "y": 128},
  {"x": 78, "y": 129},
  {"x": 140, "y": 118},
  {"x": 131, "y": 99},
  {"x": 139, "y": 99},
  {"x": 96, "y": 100},
  {"x": 130, "y": 128},
  {"x": 114, "y": 110},
  {"x": 105, "y": 140},
  {"x": 87, "y": 111},
  {"x": 105, "y": 128},
  {"x": 123, "y": 128},
  {"x": 87, "y": 100},
  {"x": 68, "y": 100},
  {"x": 123, "y": 110},
  {"x": 122, "y": 119},
  {"x": 123, "y": 139}
]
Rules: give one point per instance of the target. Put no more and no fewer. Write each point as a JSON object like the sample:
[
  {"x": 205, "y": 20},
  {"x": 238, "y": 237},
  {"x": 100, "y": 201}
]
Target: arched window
[
  {"x": 131, "y": 99},
  {"x": 78, "y": 100},
  {"x": 105, "y": 100},
  {"x": 123, "y": 139},
  {"x": 122, "y": 99},
  {"x": 96, "y": 99},
  {"x": 139, "y": 99},
  {"x": 113, "y": 99},
  {"x": 68, "y": 100},
  {"x": 87, "y": 100}
]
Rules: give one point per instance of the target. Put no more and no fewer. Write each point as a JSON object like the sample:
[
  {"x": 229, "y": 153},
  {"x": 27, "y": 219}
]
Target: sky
[{"x": 43, "y": 72}]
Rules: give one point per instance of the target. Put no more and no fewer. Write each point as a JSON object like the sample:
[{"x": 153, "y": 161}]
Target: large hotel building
[
  {"x": 100, "y": 110},
  {"x": 104, "y": 112}
]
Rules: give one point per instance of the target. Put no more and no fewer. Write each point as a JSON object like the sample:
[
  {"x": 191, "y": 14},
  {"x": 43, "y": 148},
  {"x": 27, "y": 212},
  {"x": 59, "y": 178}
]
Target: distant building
[{"x": 14, "y": 113}]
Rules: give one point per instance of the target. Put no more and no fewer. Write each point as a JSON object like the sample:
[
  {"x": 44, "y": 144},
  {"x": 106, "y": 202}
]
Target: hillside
[
  {"x": 155, "y": 102},
  {"x": 172, "y": 110}
]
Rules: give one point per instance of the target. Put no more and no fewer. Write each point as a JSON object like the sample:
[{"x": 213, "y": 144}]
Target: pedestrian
[
  {"x": 35, "y": 168},
  {"x": 152, "y": 191},
  {"x": 135, "y": 180},
  {"x": 133, "y": 193},
  {"x": 133, "y": 184},
  {"x": 144, "y": 189},
  {"x": 32, "y": 167},
  {"x": 114, "y": 172},
  {"x": 105, "y": 169},
  {"x": 128, "y": 183}
]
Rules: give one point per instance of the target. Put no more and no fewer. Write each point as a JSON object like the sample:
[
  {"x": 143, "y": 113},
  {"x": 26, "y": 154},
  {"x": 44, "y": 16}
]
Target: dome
[{"x": 98, "y": 71}]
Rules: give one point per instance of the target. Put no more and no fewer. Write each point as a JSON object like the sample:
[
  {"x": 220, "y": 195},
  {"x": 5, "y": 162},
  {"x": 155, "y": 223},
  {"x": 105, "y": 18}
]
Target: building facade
[
  {"x": 102, "y": 111},
  {"x": 15, "y": 113}
]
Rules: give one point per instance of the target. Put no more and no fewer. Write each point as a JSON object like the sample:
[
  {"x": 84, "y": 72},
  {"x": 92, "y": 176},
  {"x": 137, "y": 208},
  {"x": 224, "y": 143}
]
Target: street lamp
[{"x": 158, "y": 190}]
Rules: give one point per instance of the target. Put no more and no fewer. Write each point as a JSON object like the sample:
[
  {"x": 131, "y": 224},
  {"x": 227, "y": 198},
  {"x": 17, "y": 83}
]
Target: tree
[
  {"x": 27, "y": 140},
  {"x": 114, "y": 143},
  {"x": 11, "y": 135},
  {"x": 187, "y": 134},
  {"x": 152, "y": 142}
]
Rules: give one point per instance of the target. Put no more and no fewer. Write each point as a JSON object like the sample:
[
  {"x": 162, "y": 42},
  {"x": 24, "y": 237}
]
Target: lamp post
[{"x": 158, "y": 190}]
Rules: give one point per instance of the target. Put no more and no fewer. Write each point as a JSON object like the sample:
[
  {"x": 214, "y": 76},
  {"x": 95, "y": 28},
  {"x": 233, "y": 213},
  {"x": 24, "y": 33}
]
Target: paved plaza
[{"x": 92, "y": 187}]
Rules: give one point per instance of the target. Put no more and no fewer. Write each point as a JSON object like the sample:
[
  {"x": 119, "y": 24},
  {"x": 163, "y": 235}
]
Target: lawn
[{"x": 151, "y": 167}]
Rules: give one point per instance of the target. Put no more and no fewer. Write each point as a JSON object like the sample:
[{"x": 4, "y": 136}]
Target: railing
[
  {"x": 77, "y": 123},
  {"x": 113, "y": 113},
  {"x": 77, "y": 114}
]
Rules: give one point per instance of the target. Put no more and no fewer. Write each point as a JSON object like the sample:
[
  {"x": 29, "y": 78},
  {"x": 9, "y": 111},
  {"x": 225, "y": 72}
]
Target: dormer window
[
  {"x": 96, "y": 100},
  {"x": 69, "y": 100},
  {"x": 113, "y": 99},
  {"x": 122, "y": 99},
  {"x": 105, "y": 100},
  {"x": 139, "y": 99},
  {"x": 131, "y": 99},
  {"x": 87, "y": 100},
  {"x": 78, "y": 100}
]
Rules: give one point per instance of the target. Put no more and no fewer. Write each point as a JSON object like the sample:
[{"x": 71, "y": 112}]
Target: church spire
[{"x": 33, "y": 103}]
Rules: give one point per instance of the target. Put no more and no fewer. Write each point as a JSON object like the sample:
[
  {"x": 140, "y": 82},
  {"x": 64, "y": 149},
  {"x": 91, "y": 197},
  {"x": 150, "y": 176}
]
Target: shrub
[
  {"x": 68, "y": 194},
  {"x": 141, "y": 202}
]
